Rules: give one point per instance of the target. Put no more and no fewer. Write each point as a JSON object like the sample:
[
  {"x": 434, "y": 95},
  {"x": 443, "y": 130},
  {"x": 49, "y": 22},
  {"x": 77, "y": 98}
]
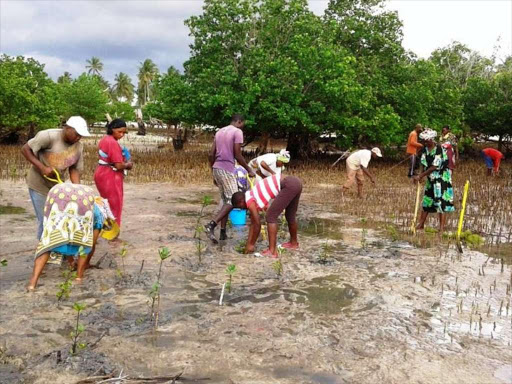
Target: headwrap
[
  {"x": 428, "y": 134},
  {"x": 283, "y": 156}
]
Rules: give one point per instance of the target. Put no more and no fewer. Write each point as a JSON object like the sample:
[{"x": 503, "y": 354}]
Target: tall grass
[{"x": 391, "y": 200}]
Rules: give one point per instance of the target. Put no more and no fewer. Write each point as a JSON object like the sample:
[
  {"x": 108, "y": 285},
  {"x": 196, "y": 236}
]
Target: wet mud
[{"x": 353, "y": 305}]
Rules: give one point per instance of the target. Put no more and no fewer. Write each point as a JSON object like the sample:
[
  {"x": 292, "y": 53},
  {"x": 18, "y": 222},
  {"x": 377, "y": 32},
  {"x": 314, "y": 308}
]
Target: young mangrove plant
[
  {"x": 154, "y": 293},
  {"x": 325, "y": 254},
  {"x": 65, "y": 287},
  {"x": 3, "y": 262},
  {"x": 240, "y": 247},
  {"x": 79, "y": 329},
  {"x": 230, "y": 270},
  {"x": 123, "y": 254},
  {"x": 277, "y": 266}
]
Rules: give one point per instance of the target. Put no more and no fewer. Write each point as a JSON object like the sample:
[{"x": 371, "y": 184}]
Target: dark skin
[
  {"x": 430, "y": 144},
  {"x": 255, "y": 229},
  {"x": 222, "y": 216},
  {"x": 266, "y": 167},
  {"x": 70, "y": 136},
  {"x": 368, "y": 174},
  {"x": 444, "y": 132},
  {"x": 118, "y": 134}
]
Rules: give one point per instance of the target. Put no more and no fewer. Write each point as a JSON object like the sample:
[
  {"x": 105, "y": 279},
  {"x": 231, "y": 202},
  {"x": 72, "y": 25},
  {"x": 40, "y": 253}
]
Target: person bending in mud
[
  {"x": 227, "y": 146},
  {"x": 73, "y": 219},
  {"x": 286, "y": 191},
  {"x": 357, "y": 166}
]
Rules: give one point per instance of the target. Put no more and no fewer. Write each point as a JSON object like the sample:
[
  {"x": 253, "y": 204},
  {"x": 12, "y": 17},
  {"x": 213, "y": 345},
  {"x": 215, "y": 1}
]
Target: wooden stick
[
  {"x": 461, "y": 217},
  {"x": 416, "y": 207}
]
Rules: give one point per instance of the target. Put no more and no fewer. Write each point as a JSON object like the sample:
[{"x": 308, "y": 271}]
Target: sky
[{"x": 63, "y": 34}]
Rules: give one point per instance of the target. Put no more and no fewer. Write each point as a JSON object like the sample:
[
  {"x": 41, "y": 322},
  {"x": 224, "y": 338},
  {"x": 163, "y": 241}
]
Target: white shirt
[
  {"x": 359, "y": 159},
  {"x": 270, "y": 159}
]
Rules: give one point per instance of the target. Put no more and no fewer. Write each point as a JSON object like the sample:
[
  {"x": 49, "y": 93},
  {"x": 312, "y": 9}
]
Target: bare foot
[{"x": 31, "y": 289}]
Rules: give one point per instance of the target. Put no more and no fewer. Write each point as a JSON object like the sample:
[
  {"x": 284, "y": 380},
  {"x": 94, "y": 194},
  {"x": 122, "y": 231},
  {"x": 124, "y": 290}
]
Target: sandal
[
  {"x": 267, "y": 253},
  {"x": 289, "y": 245}
]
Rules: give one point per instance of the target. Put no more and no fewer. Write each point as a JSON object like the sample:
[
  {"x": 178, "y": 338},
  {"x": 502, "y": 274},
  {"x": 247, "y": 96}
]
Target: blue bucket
[{"x": 237, "y": 216}]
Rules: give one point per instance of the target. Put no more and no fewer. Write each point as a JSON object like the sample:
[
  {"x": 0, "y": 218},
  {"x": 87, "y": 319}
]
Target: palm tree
[
  {"x": 65, "y": 78},
  {"x": 147, "y": 73},
  {"x": 123, "y": 86},
  {"x": 94, "y": 66}
]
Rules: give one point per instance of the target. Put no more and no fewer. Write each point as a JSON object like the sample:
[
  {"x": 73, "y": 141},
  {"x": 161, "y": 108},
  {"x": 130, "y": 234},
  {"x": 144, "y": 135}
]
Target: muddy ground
[{"x": 352, "y": 306}]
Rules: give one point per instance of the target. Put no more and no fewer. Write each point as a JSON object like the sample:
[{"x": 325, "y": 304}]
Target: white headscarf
[
  {"x": 428, "y": 134},
  {"x": 283, "y": 156}
]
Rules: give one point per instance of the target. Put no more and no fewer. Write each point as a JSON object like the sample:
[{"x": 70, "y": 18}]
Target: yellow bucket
[{"x": 110, "y": 230}]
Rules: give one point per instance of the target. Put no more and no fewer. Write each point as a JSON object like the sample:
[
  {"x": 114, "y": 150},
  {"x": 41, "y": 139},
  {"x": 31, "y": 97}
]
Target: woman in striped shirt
[{"x": 285, "y": 191}]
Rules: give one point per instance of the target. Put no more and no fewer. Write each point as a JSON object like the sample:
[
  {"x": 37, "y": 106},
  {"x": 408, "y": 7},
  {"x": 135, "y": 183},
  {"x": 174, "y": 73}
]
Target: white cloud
[{"x": 63, "y": 34}]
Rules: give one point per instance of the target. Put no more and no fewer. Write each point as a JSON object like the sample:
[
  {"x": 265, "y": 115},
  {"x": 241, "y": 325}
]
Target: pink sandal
[
  {"x": 289, "y": 245},
  {"x": 267, "y": 253}
]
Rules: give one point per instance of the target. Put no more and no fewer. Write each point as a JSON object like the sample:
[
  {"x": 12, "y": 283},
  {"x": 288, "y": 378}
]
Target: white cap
[
  {"x": 79, "y": 124},
  {"x": 377, "y": 151}
]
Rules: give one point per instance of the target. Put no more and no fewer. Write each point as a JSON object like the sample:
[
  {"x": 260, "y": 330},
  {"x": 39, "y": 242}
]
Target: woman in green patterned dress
[{"x": 438, "y": 196}]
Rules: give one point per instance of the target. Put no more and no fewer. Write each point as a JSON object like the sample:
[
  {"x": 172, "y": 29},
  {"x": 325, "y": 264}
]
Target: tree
[
  {"x": 84, "y": 97},
  {"x": 65, "y": 78},
  {"x": 123, "y": 87},
  {"x": 148, "y": 71},
  {"x": 461, "y": 63},
  {"x": 276, "y": 62},
  {"x": 122, "y": 110},
  {"x": 28, "y": 98},
  {"x": 94, "y": 66},
  {"x": 173, "y": 99},
  {"x": 488, "y": 105}
]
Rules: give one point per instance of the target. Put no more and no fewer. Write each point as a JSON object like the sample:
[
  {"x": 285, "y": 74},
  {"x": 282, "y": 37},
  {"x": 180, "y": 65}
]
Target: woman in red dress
[{"x": 112, "y": 163}]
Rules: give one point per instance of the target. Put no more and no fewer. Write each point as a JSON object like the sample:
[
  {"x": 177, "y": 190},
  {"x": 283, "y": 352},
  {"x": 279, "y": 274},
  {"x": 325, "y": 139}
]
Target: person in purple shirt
[{"x": 226, "y": 148}]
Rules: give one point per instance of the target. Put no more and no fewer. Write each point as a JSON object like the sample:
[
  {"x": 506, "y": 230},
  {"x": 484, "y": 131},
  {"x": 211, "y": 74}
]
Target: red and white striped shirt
[{"x": 264, "y": 191}]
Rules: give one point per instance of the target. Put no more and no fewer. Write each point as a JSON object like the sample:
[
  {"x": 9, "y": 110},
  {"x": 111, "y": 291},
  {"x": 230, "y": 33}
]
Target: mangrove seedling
[
  {"x": 154, "y": 293},
  {"x": 65, "y": 287},
  {"x": 79, "y": 329},
  {"x": 230, "y": 270},
  {"x": 325, "y": 254},
  {"x": 3, "y": 262},
  {"x": 123, "y": 254},
  {"x": 277, "y": 266},
  {"x": 240, "y": 247}
]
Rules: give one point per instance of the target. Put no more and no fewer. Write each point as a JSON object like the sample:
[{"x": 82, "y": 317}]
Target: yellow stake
[
  {"x": 413, "y": 225},
  {"x": 462, "y": 212}
]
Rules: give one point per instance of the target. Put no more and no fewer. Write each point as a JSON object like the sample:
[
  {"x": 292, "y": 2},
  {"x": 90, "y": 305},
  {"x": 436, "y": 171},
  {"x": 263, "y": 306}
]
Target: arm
[
  {"x": 32, "y": 158},
  {"x": 254, "y": 230},
  {"x": 425, "y": 173},
  {"x": 74, "y": 175},
  {"x": 122, "y": 166},
  {"x": 368, "y": 174},
  {"x": 211, "y": 155},
  {"x": 241, "y": 160},
  {"x": 267, "y": 168},
  {"x": 415, "y": 143}
]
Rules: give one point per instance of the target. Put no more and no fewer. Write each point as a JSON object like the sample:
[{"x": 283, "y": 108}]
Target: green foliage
[
  {"x": 122, "y": 110},
  {"x": 65, "y": 286},
  {"x": 277, "y": 266},
  {"x": 148, "y": 73},
  {"x": 230, "y": 270},
  {"x": 79, "y": 329},
  {"x": 3, "y": 262},
  {"x": 164, "y": 253},
  {"x": 488, "y": 105},
  {"x": 85, "y": 97},
  {"x": 28, "y": 97},
  {"x": 124, "y": 88}
]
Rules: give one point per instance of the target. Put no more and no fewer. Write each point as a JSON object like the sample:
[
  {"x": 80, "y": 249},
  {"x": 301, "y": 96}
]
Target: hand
[
  {"x": 48, "y": 172},
  {"x": 416, "y": 179},
  {"x": 129, "y": 165},
  {"x": 251, "y": 173}
]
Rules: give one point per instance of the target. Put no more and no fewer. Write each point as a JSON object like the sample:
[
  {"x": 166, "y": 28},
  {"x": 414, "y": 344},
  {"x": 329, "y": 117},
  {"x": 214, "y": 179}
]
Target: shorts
[
  {"x": 354, "y": 175},
  {"x": 227, "y": 183}
]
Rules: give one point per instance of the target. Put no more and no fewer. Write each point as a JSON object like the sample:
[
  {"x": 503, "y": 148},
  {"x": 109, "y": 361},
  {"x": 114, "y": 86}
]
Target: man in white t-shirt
[
  {"x": 269, "y": 164},
  {"x": 357, "y": 165}
]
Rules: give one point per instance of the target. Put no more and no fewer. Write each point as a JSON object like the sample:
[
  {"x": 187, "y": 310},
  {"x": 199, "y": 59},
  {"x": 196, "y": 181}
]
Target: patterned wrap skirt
[{"x": 68, "y": 219}]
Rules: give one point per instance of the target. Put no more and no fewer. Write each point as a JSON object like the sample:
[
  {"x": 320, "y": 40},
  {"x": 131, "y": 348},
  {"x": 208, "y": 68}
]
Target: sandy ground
[{"x": 374, "y": 311}]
